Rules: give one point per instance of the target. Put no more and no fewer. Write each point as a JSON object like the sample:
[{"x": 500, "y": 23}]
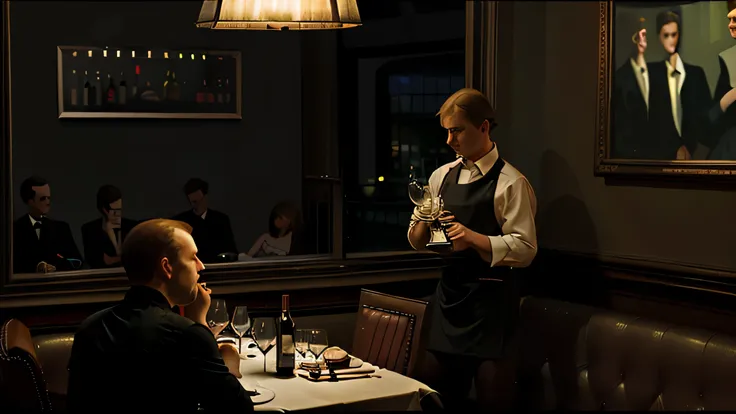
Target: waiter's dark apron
[{"x": 470, "y": 316}]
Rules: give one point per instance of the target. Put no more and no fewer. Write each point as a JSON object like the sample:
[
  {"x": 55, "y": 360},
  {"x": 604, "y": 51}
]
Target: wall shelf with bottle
[{"x": 107, "y": 82}]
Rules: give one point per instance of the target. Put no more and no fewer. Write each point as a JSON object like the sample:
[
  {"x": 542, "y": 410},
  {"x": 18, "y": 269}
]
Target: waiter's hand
[{"x": 460, "y": 235}]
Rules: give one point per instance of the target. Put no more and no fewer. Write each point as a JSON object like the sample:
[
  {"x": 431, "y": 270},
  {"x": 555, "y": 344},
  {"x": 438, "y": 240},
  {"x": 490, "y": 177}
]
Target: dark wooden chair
[
  {"x": 388, "y": 330},
  {"x": 22, "y": 385}
]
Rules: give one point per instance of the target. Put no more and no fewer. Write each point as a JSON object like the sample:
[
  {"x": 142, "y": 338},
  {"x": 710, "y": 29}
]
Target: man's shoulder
[
  {"x": 444, "y": 169},
  {"x": 217, "y": 214}
]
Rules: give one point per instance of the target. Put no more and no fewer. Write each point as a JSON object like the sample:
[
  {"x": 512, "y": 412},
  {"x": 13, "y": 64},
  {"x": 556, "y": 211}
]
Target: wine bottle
[
  {"x": 285, "y": 357},
  {"x": 134, "y": 91},
  {"x": 98, "y": 89},
  {"x": 167, "y": 81},
  {"x": 227, "y": 90},
  {"x": 111, "y": 90},
  {"x": 122, "y": 90},
  {"x": 74, "y": 92},
  {"x": 220, "y": 94},
  {"x": 173, "y": 91},
  {"x": 85, "y": 92}
]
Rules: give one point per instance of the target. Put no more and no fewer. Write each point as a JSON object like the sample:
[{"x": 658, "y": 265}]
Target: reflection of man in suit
[
  {"x": 40, "y": 243},
  {"x": 723, "y": 113},
  {"x": 211, "y": 229},
  {"x": 103, "y": 238},
  {"x": 630, "y": 101},
  {"x": 679, "y": 98}
]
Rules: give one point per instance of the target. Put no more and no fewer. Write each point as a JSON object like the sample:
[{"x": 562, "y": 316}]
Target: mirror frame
[
  {"x": 106, "y": 285},
  {"x": 703, "y": 173}
]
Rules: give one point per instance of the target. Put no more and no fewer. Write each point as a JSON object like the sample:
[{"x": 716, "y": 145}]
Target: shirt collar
[
  {"x": 678, "y": 65},
  {"x": 204, "y": 215},
  {"x": 33, "y": 221},
  {"x": 485, "y": 163},
  {"x": 637, "y": 67},
  {"x": 145, "y": 295}
]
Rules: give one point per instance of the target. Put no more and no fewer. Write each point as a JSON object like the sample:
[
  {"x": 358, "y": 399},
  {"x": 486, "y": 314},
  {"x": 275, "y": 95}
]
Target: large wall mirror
[
  {"x": 666, "y": 90},
  {"x": 73, "y": 188}
]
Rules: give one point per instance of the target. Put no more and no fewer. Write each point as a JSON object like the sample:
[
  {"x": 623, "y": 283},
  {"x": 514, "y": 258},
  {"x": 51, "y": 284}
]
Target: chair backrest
[
  {"x": 22, "y": 386},
  {"x": 53, "y": 352},
  {"x": 387, "y": 331}
]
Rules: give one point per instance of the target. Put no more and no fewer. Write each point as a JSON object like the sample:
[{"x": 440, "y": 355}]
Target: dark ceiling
[{"x": 385, "y": 9}]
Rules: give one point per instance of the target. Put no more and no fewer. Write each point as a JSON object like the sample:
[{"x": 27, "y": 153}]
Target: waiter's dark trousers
[{"x": 452, "y": 375}]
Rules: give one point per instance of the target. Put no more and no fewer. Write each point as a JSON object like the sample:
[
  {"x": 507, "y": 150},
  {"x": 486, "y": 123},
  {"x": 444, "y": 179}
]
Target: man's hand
[
  {"x": 641, "y": 44},
  {"x": 110, "y": 260},
  {"x": 683, "y": 154},
  {"x": 728, "y": 99},
  {"x": 197, "y": 310},
  {"x": 461, "y": 236}
]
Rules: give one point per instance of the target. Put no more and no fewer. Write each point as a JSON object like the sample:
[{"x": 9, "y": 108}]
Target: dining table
[{"x": 382, "y": 390}]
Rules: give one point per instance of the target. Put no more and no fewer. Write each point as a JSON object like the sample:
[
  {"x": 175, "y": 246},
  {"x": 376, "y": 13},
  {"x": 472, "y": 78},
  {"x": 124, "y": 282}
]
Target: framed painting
[{"x": 666, "y": 97}]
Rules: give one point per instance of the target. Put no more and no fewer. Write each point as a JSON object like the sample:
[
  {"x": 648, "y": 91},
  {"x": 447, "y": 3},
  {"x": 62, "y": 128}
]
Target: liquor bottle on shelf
[
  {"x": 285, "y": 356},
  {"x": 174, "y": 92},
  {"x": 98, "y": 89},
  {"x": 220, "y": 92},
  {"x": 166, "y": 85},
  {"x": 122, "y": 90},
  {"x": 73, "y": 98},
  {"x": 227, "y": 90},
  {"x": 111, "y": 91},
  {"x": 205, "y": 95},
  {"x": 86, "y": 90},
  {"x": 134, "y": 90}
]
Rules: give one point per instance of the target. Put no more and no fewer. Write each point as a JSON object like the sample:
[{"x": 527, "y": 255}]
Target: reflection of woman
[
  {"x": 723, "y": 113},
  {"x": 284, "y": 227}
]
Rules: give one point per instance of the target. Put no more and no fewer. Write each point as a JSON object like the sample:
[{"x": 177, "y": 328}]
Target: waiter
[{"x": 490, "y": 208}]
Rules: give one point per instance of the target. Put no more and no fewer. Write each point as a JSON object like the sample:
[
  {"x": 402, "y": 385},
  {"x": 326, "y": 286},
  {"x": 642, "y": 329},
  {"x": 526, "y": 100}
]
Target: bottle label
[
  {"x": 85, "y": 97},
  {"x": 74, "y": 97},
  {"x": 122, "y": 95},
  {"x": 287, "y": 345}
]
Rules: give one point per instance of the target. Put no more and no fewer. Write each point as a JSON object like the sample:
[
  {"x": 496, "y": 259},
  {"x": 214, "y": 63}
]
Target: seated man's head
[
  {"x": 161, "y": 253},
  {"x": 468, "y": 117},
  {"x": 36, "y": 194},
  {"x": 669, "y": 30},
  {"x": 196, "y": 191},
  {"x": 110, "y": 203},
  {"x": 732, "y": 17}
]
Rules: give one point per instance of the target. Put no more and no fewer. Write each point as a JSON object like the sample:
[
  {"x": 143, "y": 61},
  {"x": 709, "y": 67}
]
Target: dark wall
[
  {"x": 547, "y": 111},
  {"x": 151, "y": 159}
]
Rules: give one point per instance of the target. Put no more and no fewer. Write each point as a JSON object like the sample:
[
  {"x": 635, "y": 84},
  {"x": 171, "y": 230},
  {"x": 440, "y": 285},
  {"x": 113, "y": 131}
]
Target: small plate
[{"x": 264, "y": 395}]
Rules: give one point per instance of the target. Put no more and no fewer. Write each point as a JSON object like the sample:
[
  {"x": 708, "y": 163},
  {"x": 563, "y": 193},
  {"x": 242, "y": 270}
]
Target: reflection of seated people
[
  {"x": 679, "y": 98},
  {"x": 630, "y": 101},
  {"x": 284, "y": 228},
  {"x": 103, "y": 238},
  {"x": 211, "y": 229},
  {"x": 40, "y": 243},
  {"x": 723, "y": 112}
]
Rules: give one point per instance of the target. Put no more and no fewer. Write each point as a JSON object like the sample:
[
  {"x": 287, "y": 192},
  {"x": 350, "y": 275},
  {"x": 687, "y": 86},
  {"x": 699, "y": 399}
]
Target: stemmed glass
[
  {"x": 301, "y": 341},
  {"x": 240, "y": 324},
  {"x": 317, "y": 342},
  {"x": 217, "y": 317},
  {"x": 264, "y": 335}
]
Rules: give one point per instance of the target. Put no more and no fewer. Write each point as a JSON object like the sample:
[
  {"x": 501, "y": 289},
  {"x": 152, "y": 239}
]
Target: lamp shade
[{"x": 279, "y": 14}]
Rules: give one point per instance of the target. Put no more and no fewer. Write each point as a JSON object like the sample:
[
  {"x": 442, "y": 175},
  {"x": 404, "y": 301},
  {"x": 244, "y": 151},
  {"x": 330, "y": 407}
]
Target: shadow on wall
[{"x": 564, "y": 223}]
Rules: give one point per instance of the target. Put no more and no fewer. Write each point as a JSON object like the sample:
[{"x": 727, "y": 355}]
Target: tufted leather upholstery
[
  {"x": 576, "y": 357},
  {"x": 22, "y": 385},
  {"x": 387, "y": 331},
  {"x": 53, "y": 351}
]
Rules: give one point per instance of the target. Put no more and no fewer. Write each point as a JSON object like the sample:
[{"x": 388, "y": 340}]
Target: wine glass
[
  {"x": 317, "y": 342},
  {"x": 264, "y": 334},
  {"x": 217, "y": 317},
  {"x": 240, "y": 324},
  {"x": 301, "y": 341}
]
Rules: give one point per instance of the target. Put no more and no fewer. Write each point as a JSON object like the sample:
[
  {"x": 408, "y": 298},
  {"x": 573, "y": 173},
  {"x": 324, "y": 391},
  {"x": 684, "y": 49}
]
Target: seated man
[
  {"x": 211, "y": 229},
  {"x": 103, "y": 238},
  {"x": 140, "y": 356},
  {"x": 41, "y": 244}
]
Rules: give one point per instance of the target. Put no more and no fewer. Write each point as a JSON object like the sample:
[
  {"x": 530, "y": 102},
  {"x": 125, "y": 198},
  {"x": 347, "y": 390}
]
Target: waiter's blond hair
[{"x": 473, "y": 103}]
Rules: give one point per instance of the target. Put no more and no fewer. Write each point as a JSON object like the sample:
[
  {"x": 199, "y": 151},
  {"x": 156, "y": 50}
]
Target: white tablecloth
[{"x": 387, "y": 391}]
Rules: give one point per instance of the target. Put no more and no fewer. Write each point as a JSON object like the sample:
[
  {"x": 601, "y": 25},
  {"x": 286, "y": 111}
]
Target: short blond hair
[
  {"x": 145, "y": 246},
  {"x": 473, "y": 103}
]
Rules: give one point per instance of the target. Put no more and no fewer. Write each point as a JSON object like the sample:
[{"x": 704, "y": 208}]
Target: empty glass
[
  {"x": 264, "y": 334},
  {"x": 301, "y": 341},
  {"x": 240, "y": 324},
  {"x": 217, "y": 317},
  {"x": 317, "y": 342}
]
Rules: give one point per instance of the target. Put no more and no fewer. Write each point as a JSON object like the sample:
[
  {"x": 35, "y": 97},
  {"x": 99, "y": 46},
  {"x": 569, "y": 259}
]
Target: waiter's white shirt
[{"x": 515, "y": 206}]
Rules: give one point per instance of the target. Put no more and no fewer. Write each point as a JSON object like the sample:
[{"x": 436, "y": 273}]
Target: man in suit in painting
[
  {"x": 630, "y": 98},
  {"x": 679, "y": 98},
  {"x": 723, "y": 112},
  {"x": 41, "y": 244},
  {"x": 211, "y": 229},
  {"x": 103, "y": 238}
]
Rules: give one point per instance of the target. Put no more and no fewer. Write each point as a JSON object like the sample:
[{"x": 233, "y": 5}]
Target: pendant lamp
[{"x": 278, "y": 14}]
